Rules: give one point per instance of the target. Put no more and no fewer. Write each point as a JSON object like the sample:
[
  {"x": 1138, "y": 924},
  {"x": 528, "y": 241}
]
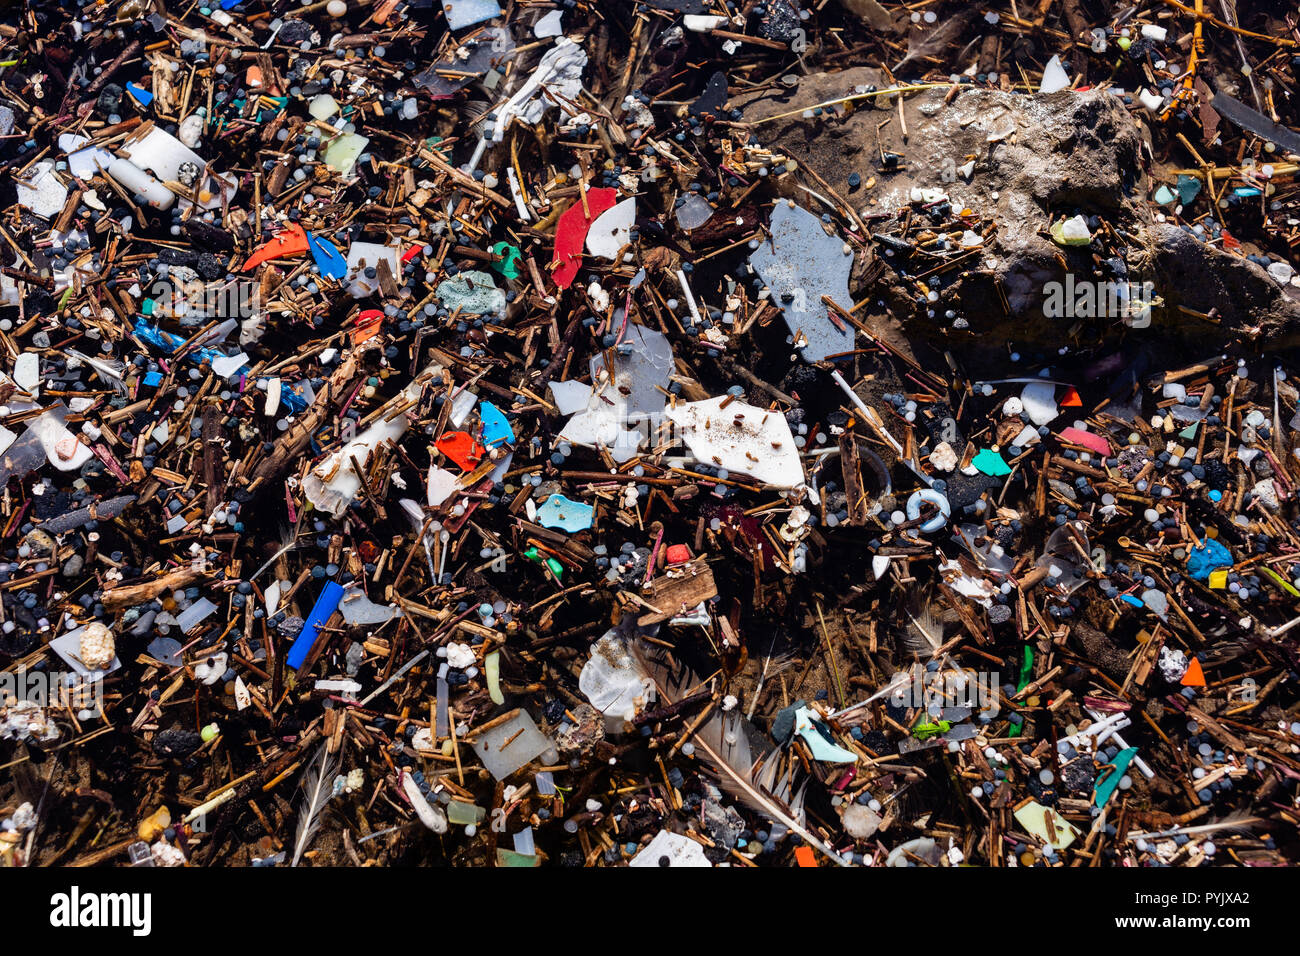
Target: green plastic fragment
[
  {"x": 1026, "y": 668},
  {"x": 508, "y": 264},
  {"x": 1110, "y": 775},
  {"x": 532, "y": 554},
  {"x": 465, "y": 814},
  {"x": 509, "y": 858},
  {"x": 1189, "y": 432},
  {"x": 924, "y": 730},
  {"x": 1282, "y": 582},
  {"x": 146, "y": 307}
]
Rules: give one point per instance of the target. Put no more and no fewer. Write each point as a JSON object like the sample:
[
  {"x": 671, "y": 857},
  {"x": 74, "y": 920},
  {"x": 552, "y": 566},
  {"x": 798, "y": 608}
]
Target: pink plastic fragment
[{"x": 1076, "y": 436}]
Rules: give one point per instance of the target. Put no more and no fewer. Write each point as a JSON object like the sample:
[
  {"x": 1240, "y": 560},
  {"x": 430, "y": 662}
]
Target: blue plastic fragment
[
  {"x": 325, "y": 605},
  {"x": 1209, "y": 556},
  {"x": 169, "y": 343},
  {"x": 141, "y": 96},
  {"x": 496, "y": 428},
  {"x": 1136, "y": 602},
  {"x": 328, "y": 259},
  {"x": 227, "y": 4},
  {"x": 153, "y": 379},
  {"x": 293, "y": 399},
  {"x": 560, "y": 512}
]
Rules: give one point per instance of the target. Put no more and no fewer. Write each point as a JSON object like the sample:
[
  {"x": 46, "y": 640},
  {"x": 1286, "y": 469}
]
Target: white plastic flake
[{"x": 742, "y": 439}]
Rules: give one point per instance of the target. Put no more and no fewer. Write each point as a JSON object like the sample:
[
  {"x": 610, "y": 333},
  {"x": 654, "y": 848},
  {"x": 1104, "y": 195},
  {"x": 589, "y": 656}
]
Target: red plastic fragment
[
  {"x": 461, "y": 448},
  {"x": 291, "y": 241},
  {"x": 571, "y": 232},
  {"x": 677, "y": 554}
]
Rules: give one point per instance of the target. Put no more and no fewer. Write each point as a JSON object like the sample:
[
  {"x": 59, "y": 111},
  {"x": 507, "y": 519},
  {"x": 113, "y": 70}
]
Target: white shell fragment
[{"x": 742, "y": 439}]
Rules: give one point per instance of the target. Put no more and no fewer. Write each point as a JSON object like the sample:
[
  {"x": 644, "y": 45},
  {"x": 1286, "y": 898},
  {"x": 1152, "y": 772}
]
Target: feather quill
[
  {"x": 725, "y": 742},
  {"x": 317, "y": 788}
]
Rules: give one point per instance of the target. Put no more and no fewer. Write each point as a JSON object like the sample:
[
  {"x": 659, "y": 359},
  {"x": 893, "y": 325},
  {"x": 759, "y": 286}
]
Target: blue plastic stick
[{"x": 325, "y": 605}]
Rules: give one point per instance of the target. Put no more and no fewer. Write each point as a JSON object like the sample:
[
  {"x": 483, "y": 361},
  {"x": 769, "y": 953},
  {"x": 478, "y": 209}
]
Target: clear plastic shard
[
  {"x": 800, "y": 264},
  {"x": 612, "y": 680},
  {"x": 742, "y": 439},
  {"x": 357, "y": 608},
  {"x": 643, "y": 364},
  {"x": 508, "y": 746}
]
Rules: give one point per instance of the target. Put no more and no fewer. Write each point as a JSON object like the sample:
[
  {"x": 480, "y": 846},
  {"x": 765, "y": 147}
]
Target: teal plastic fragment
[
  {"x": 1110, "y": 777},
  {"x": 560, "y": 512},
  {"x": 1165, "y": 196},
  {"x": 990, "y": 463},
  {"x": 1189, "y": 187}
]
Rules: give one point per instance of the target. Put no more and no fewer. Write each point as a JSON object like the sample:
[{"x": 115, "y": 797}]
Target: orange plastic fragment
[
  {"x": 292, "y": 241},
  {"x": 1194, "y": 677},
  {"x": 1071, "y": 399},
  {"x": 367, "y": 324},
  {"x": 804, "y": 856},
  {"x": 461, "y": 448}
]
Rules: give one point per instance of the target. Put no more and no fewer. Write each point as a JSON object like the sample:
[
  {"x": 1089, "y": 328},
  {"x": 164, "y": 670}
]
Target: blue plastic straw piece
[{"x": 325, "y": 605}]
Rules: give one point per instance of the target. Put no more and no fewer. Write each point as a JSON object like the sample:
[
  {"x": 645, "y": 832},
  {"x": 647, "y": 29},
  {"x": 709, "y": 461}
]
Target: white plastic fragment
[
  {"x": 611, "y": 230},
  {"x": 27, "y": 373},
  {"x": 430, "y": 815},
  {"x": 1054, "y": 77},
  {"x": 550, "y": 25},
  {"x": 1039, "y": 400},
  {"x": 560, "y": 70},
  {"x": 332, "y": 484},
  {"x": 442, "y": 485},
  {"x": 41, "y": 191},
  {"x": 741, "y": 438},
  {"x": 62, "y": 449},
  {"x": 678, "y": 850}
]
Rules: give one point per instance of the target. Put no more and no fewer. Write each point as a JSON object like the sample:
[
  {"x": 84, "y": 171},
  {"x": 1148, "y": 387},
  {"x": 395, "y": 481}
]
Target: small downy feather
[
  {"x": 726, "y": 742},
  {"x": 317, "y": 788},
  {"x": 924, "y": 633}
]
